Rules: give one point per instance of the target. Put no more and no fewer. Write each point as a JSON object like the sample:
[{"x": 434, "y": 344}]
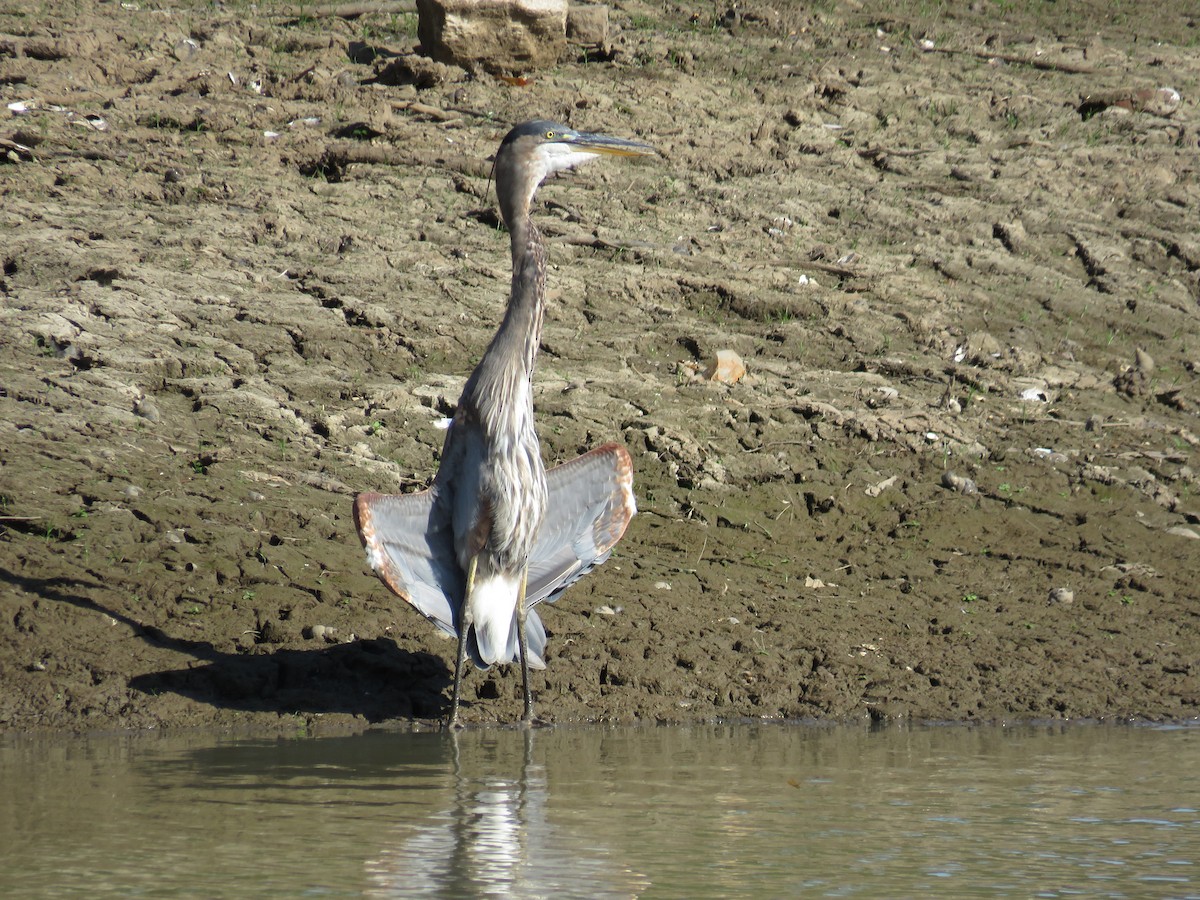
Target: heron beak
[{"x": 610, "y": 146}]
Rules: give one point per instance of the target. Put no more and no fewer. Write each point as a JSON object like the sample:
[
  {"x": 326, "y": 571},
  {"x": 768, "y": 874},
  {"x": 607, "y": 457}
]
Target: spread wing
[
  {"x": 411, "y": 547},
  {"x": 409, "y": 540},
  {"x": 591, "y": 503}
]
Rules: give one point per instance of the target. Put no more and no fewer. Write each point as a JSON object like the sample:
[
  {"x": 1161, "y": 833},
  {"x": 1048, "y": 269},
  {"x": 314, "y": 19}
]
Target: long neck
[{"x": 521, "y": 331}]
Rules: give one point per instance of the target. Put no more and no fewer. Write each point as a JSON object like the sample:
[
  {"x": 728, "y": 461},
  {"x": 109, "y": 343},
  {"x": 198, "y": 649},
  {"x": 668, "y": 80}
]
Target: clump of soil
[{"x": 249, "y": 258}]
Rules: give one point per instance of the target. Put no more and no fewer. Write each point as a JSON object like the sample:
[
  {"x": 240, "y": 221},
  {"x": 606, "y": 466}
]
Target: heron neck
[{"x": 521, "y": 329}]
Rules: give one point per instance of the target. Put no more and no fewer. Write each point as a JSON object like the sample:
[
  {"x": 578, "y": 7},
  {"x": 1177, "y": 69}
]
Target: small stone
[
  {"x": 146, "y": 408},
  {"x": 726, "y": 367},
  {"x": 322, "y": 633},
  {"x": 1143, "y": 360},
  {"x": 1062, "y": 595},
  {"x": 960, "y": 483}
]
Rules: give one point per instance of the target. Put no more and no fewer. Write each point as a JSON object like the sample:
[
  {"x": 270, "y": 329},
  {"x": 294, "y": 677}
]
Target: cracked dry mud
[{"x": 249, "y": 258}]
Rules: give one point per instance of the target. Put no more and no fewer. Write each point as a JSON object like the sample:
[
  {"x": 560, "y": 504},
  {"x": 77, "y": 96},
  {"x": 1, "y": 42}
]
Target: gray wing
[
  {"x": 590, "y": 505},
  {"x": 409, "y": 541},
  {"x": 410, "y": 545}
]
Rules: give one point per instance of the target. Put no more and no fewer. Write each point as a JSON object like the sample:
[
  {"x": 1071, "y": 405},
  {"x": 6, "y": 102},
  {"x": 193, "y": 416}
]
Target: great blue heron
[{"x": 496, "y": 533}]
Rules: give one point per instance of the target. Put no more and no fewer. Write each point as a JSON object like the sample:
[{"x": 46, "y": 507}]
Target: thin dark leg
[
  {"x": 521, "y": 614},
  {"x": 464, "y": 625}
]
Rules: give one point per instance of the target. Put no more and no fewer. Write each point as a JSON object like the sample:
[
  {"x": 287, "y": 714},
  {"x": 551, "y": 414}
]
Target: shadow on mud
[{"x": 369, "y": 678}]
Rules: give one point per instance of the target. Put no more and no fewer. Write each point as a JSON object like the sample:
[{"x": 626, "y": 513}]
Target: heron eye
[{"x": 550, "y": 135}]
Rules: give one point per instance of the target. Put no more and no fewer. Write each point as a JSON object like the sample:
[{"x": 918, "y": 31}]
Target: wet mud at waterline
[{"x": 249, "y": 259}]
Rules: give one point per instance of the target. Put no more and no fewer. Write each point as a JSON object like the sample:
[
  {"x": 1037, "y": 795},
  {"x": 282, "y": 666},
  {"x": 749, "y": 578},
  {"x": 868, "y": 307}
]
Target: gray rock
[
  {"x": 495, "y": 35},
  {"x": 588, "y": 25}
]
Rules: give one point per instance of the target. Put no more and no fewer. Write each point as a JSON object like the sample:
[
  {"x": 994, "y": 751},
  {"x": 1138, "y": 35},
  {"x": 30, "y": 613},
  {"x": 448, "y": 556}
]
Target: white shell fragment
[
  {"x": 185, "y": 49},
  {"x": 325, "y": 633},
  {"x": 14, "y": 151},
  {"x": 874, "y": 490},
  {"x": 91, "y": 120},
  {"x": 1183, "y": 531},
  {"x": 880, "y": 396}
]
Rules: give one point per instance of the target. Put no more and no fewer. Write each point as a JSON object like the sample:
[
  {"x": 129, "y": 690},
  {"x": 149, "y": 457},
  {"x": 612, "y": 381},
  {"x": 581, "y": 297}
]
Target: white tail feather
[{"x": 493, "y": 612}]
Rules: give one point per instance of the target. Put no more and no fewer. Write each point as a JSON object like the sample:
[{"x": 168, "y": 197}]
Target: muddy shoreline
[{"x": 249, "y": 259}]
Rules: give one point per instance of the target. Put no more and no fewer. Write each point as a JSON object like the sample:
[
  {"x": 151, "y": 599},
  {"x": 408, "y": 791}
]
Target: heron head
[{"x": 533, "y": 151}]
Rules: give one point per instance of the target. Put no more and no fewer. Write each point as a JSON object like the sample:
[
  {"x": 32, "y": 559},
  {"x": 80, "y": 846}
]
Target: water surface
[{"x": 713, "y": 811}]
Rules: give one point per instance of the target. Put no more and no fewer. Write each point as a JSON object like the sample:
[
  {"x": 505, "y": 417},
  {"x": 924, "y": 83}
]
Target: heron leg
[
  {"x": 521, "y": 644},
  {"x": 464, "y": 625}
]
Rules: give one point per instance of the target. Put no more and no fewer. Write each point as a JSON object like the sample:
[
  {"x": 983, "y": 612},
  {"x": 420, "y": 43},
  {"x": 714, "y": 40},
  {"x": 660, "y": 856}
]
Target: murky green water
[{"x": 720, "y": 811}]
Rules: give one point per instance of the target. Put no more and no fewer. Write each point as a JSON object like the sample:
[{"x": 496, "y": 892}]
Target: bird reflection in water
[{"x": 497, "y": 838}]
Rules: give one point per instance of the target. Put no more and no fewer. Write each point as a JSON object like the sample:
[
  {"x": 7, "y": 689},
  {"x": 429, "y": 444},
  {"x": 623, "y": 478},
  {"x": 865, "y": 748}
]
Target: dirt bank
[{"x": 249, "y": 258}]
